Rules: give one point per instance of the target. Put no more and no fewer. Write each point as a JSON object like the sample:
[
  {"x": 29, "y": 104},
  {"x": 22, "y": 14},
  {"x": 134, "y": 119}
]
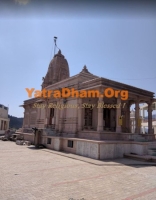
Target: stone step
[
  {"x": 152, "y": 145},
  {"x": 152, "y": 151}
]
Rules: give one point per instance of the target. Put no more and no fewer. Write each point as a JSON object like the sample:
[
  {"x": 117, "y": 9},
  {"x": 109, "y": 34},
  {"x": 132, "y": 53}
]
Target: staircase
[
  {"x": 151, "y": 154},
  {"x": 152, "y": 148},
  {"x": 139, "y": 138},
  {"x": 151, "y": 145}
]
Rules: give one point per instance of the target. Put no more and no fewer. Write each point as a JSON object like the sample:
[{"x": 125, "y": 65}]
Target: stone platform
[
  {"x": 103, "y": 148},
  {"x": 96, "y": 149}
]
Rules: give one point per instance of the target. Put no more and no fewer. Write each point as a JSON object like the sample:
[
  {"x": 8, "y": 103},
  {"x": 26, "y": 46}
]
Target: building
[
  {"x": 144, "y": 124},
  {"x": 4, "y": 120},
  {"x": 83, "y": 123}
]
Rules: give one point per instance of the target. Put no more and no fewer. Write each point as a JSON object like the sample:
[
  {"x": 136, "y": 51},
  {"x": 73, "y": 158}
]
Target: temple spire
[{"x": 85, "y": 69}]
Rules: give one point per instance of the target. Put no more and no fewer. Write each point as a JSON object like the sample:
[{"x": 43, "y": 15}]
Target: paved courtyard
[{"x": 30, "y": 174}]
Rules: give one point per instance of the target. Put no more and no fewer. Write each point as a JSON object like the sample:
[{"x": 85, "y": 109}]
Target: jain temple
[{"x": 98, "y": 126}]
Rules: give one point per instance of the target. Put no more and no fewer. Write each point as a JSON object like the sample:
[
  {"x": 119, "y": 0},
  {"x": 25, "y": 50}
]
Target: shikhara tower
[{"x": 58, "y": 70}]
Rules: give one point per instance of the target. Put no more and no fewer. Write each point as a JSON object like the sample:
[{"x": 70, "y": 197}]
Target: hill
[{"x": 15, "y": 122}]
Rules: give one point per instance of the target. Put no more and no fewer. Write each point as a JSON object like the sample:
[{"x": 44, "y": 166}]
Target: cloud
[{"x": 22, "y": 2}]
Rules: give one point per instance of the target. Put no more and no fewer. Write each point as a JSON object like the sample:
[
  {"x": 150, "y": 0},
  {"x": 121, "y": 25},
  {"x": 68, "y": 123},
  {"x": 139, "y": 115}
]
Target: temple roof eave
[
  {"x": 31, "y": 101},
  {"x": 117, "y": 85}
]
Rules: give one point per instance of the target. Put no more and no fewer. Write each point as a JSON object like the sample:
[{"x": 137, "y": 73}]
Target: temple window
[
  {"x": 70, "y": 143},
  {"x": 48, "y": 140}
]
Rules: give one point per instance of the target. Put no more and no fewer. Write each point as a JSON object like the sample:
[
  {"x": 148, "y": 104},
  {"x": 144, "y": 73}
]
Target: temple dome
[{"x": 58, "y": 70}]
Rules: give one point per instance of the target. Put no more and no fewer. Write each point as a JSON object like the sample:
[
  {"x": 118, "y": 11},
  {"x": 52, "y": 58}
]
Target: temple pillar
[
  {"x": 100, "y": 115},
  {"x": 46, "y": 122},
  {"x": 143, "y": 129},
  {"x": 57, "y": 118},
  {"x": 80, "y": 115},
  {"x": 143, "y": 113},
  {"x": 46, "y": 115},
  {"x": 29, "y": 119},
  {"x": 137, "y": 117},
  {"x": 150, "y": 131},
  {"x": 128, "y": 125},
  {"x": 61, "y": 119},
  {"x": 118, "y": 115}
]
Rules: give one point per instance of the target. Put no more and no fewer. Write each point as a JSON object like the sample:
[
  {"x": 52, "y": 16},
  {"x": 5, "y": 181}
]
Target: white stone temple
[{"x": 87, "y": 128}]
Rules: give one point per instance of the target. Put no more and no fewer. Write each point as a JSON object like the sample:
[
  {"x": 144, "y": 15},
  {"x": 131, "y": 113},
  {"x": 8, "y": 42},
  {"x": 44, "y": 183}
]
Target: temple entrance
[
  {"x": 88, "y": 118},
  {"x": 109, "y": 119},
  {"x": 106, "y": 118},
  {"x": 51, "y": 123},
  {"x": 51, "y": 117}
]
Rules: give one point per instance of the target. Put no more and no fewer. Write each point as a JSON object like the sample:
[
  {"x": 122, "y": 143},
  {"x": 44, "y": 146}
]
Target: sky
[{"x": 114, "y": 39}]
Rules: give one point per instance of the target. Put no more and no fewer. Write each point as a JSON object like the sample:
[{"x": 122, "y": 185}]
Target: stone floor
[{"x": 30, "y": 174}]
